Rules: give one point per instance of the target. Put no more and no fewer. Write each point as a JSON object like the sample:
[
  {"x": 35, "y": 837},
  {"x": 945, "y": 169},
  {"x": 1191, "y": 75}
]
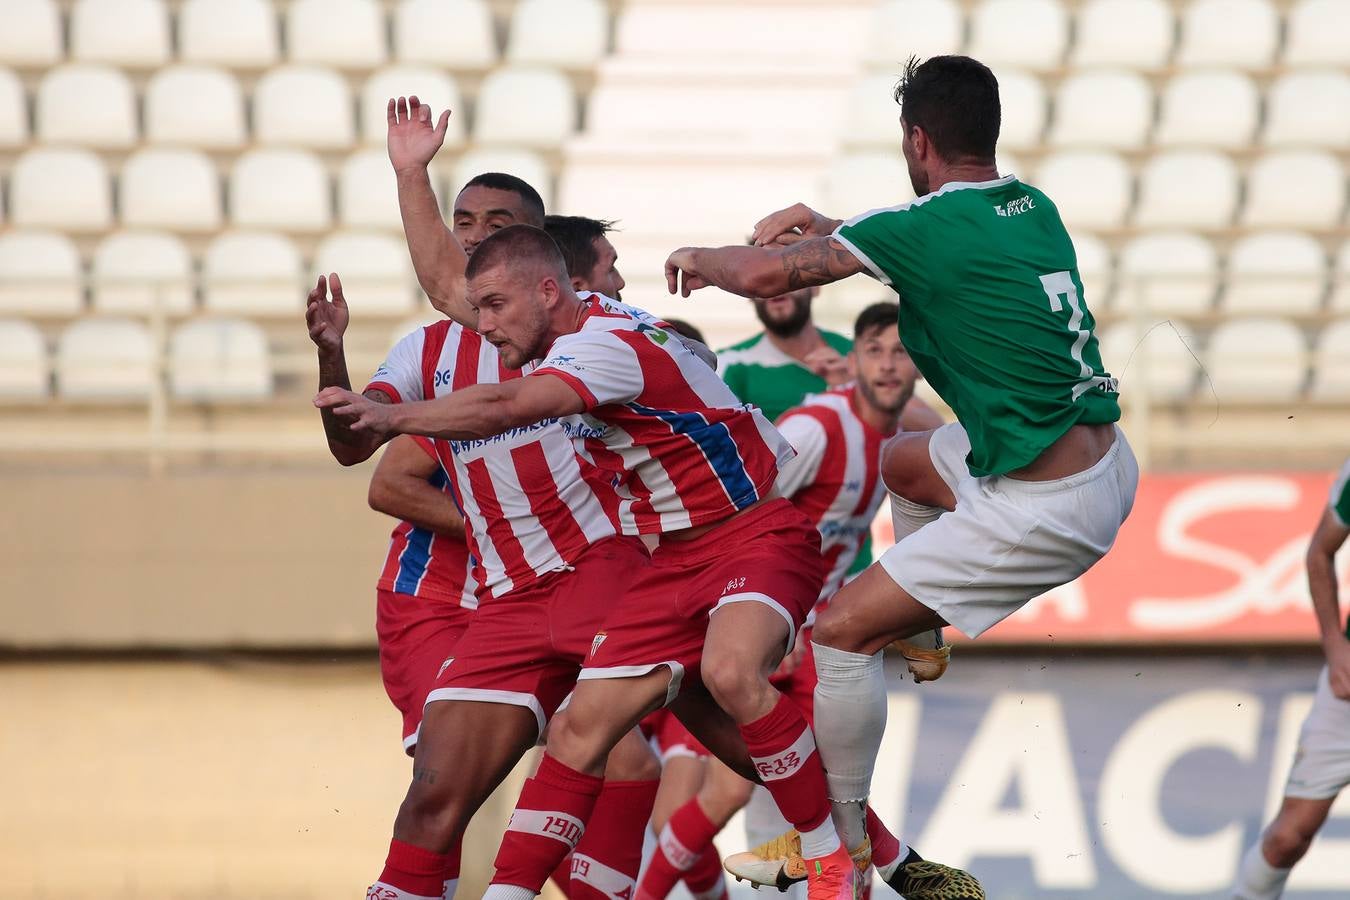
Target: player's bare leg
[
  {"x": 711, "y": 795},
  {"x": 1266, "y": 865}
]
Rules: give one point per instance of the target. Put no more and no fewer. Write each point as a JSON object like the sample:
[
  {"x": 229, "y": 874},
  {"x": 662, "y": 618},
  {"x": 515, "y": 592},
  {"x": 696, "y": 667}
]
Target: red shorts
[
  {"x": 770, "y": 555},
  {"x": 416, "y": 637},
  {"x": 526, "y": 647},
  {"x": 669, "y": 738}
]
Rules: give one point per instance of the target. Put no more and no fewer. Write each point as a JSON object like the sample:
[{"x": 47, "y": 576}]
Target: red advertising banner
[{"x": 1207, "y": 558}]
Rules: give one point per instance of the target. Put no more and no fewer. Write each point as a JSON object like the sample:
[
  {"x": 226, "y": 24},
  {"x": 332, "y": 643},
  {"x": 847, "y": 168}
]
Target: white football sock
[
  {"x": 908, "y": 517},
  {"x": 850, "y": 705},
  {"x": 507, "y": 892},
  {"x": 1258, "y": 879}
]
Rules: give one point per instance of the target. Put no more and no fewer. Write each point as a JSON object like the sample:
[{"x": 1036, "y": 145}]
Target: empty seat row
[
  {"x": 116, "y": 360},
  {"x": 181, "y": 189},
  {"x": 304, "y": 106},
  {"x": 248, "y": 33}
]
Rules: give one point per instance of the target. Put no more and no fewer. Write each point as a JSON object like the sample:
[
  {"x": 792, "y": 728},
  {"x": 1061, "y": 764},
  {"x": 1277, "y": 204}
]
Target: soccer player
[
  {"x": 733, "y": 573},
  {"x": 1028, "y": 489},
  {"x": 1322, "y": 764}
]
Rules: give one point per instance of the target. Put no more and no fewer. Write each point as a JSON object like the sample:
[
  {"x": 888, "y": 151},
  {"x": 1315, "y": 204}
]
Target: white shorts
[
  {"x": 1322, "y": 762},
  {"x": 1008, "y": 540}
]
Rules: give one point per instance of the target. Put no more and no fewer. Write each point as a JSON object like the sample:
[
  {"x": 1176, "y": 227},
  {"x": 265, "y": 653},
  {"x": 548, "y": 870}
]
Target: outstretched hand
[
  {"x": 327, "y": 319},
  {"x": 413, "y": 140},
  {"x": 360, "y": 413},
  {"x": 682, "y": 274},
  {"x": 790, "y": 225}
]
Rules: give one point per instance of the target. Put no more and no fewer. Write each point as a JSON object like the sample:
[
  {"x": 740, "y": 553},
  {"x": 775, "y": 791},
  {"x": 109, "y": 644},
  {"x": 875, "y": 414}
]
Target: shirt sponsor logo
[{"x": 1016, "y": 207}]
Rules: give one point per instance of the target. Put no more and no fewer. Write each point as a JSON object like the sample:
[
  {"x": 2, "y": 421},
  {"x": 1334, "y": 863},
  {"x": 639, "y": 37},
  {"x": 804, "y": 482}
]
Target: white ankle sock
[
  {"x": 819, "y": 841},
  {"x": 507, "y": 892},
  {"x": 850, "y": 709},
  {"x": 1258, "y": 879}
]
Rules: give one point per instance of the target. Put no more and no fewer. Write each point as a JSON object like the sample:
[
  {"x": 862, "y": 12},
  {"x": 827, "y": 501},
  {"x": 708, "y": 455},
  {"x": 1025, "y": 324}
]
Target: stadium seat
[
  {"x": 88, "y": 106},
  {"x": 195, "y": 106},
  {"x": 242, "y": 34},
  {"x": 349, "y": 34},
  {"x": 286, "y": 189},
  {"x": 25, "y": 370},
  {"x": 1256, "y": 360},
  {"x": 303, "y": 106},
  {"x": 1309, "y": 108},
  {"x": 134, "y": 271},
  {"x": 525, "y": 108},
  {"x": 1208, "y": 109},
  {"x": 13, "y": 111},
  {"x": 1187, "y": 189},
  {"x": 253, "y": 273},
  {"x": 128, "y": 33},
  {"x": 1340, "y": 286},
  {"x": 568, "y": 34},
  {"x": 1105, "y": 108},
  {"x": 802, "y": 34},
  {"x": 1090, "y": 187},
  {"x": 923, "y": 28},
  {"x": 457, "y": 34},
  {"x": 105, "y": 359},
  {"x": 376, "y": 272},
  {"x": 1241, "y": 33},
  {"x": 60, "y": 188},
  {"x": 1172, "y": 273},
  {"x": 872, "y": 118},
  {"x": 857, "y": 182},
  {"x": 1137, "y": 34},
  {"x": 408, "y": 326},
  {"x": 39, "y": 274},
  {"x": 1316, "y": 33},
  {"x": 1297, "y": 189},
  {"x": 219, "y": 360},
  {"x": 521, "y": 163},
  {"x": 1027, "y": 33},
  {"x": 1331, "y": 364},
  {"x": 174, "y": 189},
  {"x": 1094, "y": 269},
  {"x": 429, "y": 85},
  {"x": 1160, "y": 358},
  {"x": 368, "y": 192},
  {"x": 32, "y": 33},
  {"x": 1276, "y": 272},
  {"x": 1024, "y": 109}
]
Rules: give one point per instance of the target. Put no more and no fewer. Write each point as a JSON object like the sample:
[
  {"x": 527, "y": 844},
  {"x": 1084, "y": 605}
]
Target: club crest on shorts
[
  {"x": 597, "y": 641},
  {"x": 445, "y": 665}
]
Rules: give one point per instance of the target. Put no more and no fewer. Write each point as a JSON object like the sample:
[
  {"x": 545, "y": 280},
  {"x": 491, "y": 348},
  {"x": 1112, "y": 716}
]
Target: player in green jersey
[{"x": 1029, "y": 487}]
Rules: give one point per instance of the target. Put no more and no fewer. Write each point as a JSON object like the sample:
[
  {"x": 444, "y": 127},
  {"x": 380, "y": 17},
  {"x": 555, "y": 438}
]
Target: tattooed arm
[{"x": 761, "y": 271}]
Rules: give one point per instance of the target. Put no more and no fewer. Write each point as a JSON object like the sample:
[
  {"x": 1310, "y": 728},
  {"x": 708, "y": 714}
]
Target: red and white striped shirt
[
  {"x": 531, "y": 505},
  {"x": 835, "y": 478},
  {"x": 685, "y": 450}
]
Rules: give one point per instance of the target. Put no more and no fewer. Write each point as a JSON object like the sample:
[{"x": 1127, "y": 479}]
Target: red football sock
[
  {"x": 886, "y": 847},
  {"x": 687, "y": 834},
  {"x": 550, "y": 817},
  {"x": 412, "y": 873},
  {"x": 704, "y": 878},
  {"x": 606, "y": 862},
  {"x": 562, "y": 876},
  {"x": 783, "y": 751}
]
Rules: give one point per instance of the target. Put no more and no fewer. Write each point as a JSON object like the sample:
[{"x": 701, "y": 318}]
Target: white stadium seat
[
  {"x": 1025, "y": 109},
  {"x": 1316, "y": 33},
  {"x": 857, "y": 182},
  {"x": 32, "y": 33},
  {"x": 429, "y": 85},
  {"x": 368, "y": 192},
  {"x": 1340, "y": 291},
  {"x": 457, "y": 34},
  {"x": 286, "y": 189},
  {"x": 1160, "y": 358},
  {"x": 242, "y": 34},
  {"x": 523, "y": 164},
  {"x": 253, "y": 273},
  {"x": 922, "y": 28},
  {"x": 1170, "y": 272},
  {"x": 39, "y": 274},
  {"x": 1107, "y": 108},
  {"x": 25, "y": 370},
  {"x": 800, "y": 34},
  {"x": 135, "y": 271},
  {"x": 1299, "y": 189},
  {"x": 1240, "y": 33},
  {"x": 872, "y": 118},
  {"x": 345, "y": 33},
  {"x": 60, "y": 188},
  {"x": 1309, "y": 108},
  {"x": 569, "y": 34},
  {"x": 86, "y": 105},
  {"x": 131, "y": 33},
  {"x": 175, "y": 189},
  {"x": 1027, "y": 33},
  {"x": 1094, "y": 269},
  {"x": 1133, "y": 33},
  {"x": 525, "y": 108},
  {"x": 219, "y": 360},
  {"x": 1275, "y": 271},
  {"x": 428, "y": 317},
  {"x": 1331, "y": 364},
  {"x": 1208, "y": 109},
  {"x": 1256, "y": 360},
  {"x": 1091, "y": 188},
  {"x": 195, "y": 106},
  {"x": 105, "y": 359},
  {"x": 1187, "y": 189},
  {"x": 303, "y": 106},
  {"x": 377, "y": 276},
  {"x": 13, "y": 111}
]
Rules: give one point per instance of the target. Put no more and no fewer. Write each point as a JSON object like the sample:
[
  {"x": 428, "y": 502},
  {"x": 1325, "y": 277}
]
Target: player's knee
[
  {"x": 1285, "y": 843},
  {"x": 736, "y": 685},
  {"x": 431, "y": 818},
  {"x": 722, "y": 798},
  {"x": 836, "y": 627},
  {"x": 632, "y": 760}
]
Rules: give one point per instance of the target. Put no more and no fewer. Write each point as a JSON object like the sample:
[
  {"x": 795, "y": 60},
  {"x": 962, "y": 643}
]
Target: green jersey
[
  {"x": 1339, "y": 503},
  {"x": 992, "y": 312},
  {"x": 759, "y": 373}
]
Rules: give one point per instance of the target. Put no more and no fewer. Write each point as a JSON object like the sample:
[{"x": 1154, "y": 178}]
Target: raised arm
[
  {"x": 327, "y": 322},
  {"x": 1321, "y": 559},
  {"x": 437, "y": 257},
  {"x": 761, "y": 271},
  {"x": 401, "y": 488}
]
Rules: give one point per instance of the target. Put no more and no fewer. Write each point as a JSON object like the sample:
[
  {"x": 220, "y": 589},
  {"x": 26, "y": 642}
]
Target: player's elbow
[
  {"x": 379, "y": 495},
  {"x": 349, "y": 454},
  {"x": 765, "y": 279}
]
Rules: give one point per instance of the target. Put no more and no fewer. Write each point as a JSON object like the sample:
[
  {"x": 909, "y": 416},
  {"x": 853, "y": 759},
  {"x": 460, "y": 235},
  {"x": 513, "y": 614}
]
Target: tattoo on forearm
[{"x": 817, "y": 261}]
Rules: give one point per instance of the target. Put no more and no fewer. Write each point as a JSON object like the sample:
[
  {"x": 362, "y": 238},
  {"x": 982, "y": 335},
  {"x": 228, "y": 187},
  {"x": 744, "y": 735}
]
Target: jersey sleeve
[
  {"x": 890, "y": 244},
  {"x": 807, "y": 436},
  {"x": 599, "y": 366},
  {"x": 1339, "y": 501},
  {"x": 399, "y": 377}
]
